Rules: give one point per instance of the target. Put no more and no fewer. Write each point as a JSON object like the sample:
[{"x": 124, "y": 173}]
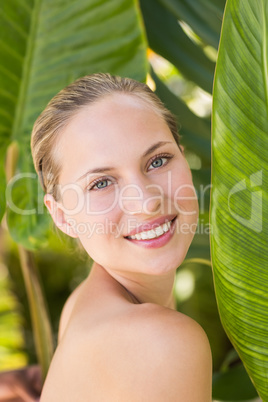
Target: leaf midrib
[
  {"x": 26, "y": 70},
  {"x": 264, "y": 54}
]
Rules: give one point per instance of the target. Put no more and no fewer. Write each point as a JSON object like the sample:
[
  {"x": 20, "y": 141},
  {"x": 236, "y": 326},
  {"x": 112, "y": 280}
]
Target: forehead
[{"x": 108, "y": 132}]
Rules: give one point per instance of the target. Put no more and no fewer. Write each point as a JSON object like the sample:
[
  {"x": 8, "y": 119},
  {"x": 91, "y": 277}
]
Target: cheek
[
  {"x": 184, "y": 194},
  {"x": 95, "y": 228},
  {"x": 73, "y": 199},
  {"x": 88, "y": 206},
  {"x": 98, "y": 236},
  {"x": 101, "y": 202}
]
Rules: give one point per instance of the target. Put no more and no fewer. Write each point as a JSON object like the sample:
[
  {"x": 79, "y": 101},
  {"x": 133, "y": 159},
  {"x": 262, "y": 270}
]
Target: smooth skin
[{"x": 120, "y": 337}]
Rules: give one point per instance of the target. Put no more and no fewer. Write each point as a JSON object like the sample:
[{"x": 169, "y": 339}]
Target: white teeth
[
  {"x": 159, "y": 231},
  {"x": 165, "y": 227},
  {"x": 153, "y": 233}
]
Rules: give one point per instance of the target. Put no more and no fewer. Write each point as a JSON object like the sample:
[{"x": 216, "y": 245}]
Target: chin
[{"x": 164, "y": 265}]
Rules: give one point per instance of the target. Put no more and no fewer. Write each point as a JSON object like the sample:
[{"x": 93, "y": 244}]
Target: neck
[{"x": 145, "y": 288}]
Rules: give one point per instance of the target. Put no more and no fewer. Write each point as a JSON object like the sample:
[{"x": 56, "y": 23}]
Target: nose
[{"x": 141, "y": 198}]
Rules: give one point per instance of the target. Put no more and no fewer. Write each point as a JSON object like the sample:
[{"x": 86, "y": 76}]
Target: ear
[
  {"x": 57, "y": 213},
  {"x": 182, "y": 148}
]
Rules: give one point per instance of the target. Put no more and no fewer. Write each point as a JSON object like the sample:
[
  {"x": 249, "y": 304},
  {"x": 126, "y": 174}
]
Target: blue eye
[
  {"x": 100, "y": 184},
  {"x": 158, "y": 162}
]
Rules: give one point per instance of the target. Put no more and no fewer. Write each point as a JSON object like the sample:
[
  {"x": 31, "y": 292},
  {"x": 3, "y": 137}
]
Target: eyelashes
[
  {"x": 103, "y": 182},
  {"x": 159, "y": 156}
]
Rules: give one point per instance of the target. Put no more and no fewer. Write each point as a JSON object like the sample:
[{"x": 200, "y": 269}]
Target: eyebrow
[{"x": 146, "y": 153}]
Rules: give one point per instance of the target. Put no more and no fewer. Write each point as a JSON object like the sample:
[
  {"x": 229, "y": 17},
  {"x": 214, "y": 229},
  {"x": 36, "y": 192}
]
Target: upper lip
[{"x": 149, "y": 225}]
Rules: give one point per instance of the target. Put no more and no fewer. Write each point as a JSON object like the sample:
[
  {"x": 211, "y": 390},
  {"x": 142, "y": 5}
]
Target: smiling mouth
[{"x": 153, "y": 233}]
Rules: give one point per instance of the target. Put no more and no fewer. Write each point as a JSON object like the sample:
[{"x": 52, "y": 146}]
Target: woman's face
[{"x": 123, "y": 174}]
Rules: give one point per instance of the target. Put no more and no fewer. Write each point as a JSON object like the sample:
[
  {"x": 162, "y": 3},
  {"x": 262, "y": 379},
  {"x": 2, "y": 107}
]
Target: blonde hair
[{"x": 60, "y": 110}]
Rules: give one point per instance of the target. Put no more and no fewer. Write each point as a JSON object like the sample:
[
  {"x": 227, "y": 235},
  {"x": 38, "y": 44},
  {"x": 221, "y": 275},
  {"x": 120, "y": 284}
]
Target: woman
[{"x": 108, "y": 156}]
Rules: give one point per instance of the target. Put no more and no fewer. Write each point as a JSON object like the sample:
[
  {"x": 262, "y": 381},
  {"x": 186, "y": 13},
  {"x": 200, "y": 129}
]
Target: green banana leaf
[
  {"x": 239, "y": 196},
  {"x": 167, "y": 38},
  {"x": 44, "y": 46},
  {"x": 203, "y": 16}
]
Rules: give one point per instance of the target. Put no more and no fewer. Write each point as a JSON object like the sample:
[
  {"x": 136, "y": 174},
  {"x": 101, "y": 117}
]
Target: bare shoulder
[
  {"x": 164, "y": 324},
  {"x": 146, "y": 353},
  {"x": 167, "y": 356},
  {"x": 67, "y": 309}
]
